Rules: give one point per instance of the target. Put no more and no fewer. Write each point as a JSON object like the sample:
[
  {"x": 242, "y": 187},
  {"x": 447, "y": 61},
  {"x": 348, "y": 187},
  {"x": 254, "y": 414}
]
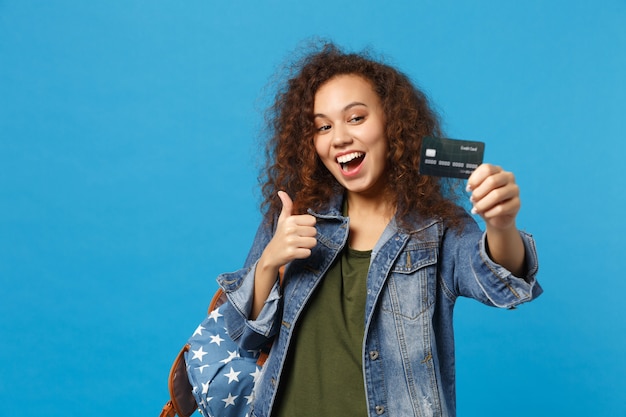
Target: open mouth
[{"x": 351, "y": 161}]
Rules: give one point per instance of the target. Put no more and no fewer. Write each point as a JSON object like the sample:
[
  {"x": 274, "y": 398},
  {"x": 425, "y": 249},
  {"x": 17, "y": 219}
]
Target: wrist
[{"x": 266, "y": 267}]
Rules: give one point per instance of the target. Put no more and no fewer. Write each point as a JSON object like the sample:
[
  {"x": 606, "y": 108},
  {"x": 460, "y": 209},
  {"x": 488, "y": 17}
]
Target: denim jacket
[{"x": 414, "y": 279}]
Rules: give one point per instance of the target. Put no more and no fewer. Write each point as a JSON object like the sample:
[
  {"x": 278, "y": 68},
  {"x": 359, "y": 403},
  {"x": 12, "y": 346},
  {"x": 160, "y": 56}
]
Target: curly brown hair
[{"x": 292, "y": 164}]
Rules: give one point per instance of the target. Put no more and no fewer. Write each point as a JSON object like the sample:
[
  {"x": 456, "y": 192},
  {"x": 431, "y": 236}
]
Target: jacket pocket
[{"x": 410, "y": 289}]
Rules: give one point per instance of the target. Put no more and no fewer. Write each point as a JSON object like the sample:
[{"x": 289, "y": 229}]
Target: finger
[
  {"x": 302, "y": 242},
  {"x": 300, "y": 253},
  {"x": 305, "y": 220},
  {"x": 494, "y": 185},
  {"x": 499, "y": 200},
  {"x": 287, "y": 205},
  {"x": 503, "y": 209},
  {"x": 307, "y": 230},
  {"x": 502, "y": 215},
  {"x": 297, "y": 247},
  {"x": 480, "y": 174}
]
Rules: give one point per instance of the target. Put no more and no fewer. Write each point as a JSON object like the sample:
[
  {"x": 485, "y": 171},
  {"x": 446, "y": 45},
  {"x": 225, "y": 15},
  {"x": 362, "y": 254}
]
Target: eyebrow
[{"x": 346, "y": 108}]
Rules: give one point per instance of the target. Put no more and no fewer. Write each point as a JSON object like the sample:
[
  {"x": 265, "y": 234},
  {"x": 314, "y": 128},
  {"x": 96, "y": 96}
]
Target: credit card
[{"x": 454, "y": 158}]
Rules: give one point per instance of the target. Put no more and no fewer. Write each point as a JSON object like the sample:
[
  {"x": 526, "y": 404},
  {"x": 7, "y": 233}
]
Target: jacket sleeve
[
  {"x": 239, "y": 288},
  {"x": 467, "y": 270}
]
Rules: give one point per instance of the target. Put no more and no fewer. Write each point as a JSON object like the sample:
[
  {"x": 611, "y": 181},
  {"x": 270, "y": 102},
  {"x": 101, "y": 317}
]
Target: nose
[{"x": 341, "y": 136}]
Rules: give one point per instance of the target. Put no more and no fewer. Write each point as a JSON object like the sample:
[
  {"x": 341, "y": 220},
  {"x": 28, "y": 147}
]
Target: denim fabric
[{"x": 414, "y": 279}]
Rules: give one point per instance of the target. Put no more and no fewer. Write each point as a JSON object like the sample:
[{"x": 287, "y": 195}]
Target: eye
[
  {"x": 323, "y": 128},
  {"x": 356, "y": 119}
]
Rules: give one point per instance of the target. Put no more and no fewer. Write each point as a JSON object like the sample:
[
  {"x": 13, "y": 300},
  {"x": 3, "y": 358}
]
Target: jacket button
[
  {"x": 379, "y": 409},
  {"x": 373, "y": 355}
]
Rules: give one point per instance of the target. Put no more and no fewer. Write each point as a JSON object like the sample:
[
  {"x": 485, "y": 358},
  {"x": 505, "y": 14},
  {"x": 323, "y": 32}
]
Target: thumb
[{"x": 287, "y": 205}]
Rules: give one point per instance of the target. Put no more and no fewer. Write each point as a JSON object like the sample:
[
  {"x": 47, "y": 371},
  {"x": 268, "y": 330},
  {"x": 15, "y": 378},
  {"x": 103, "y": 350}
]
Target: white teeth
[{"x": 344, "y": 159}]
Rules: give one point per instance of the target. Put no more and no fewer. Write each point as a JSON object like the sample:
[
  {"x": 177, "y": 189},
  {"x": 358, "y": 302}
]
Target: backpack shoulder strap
[
  {"x": 182, "y": 401},
  {"x": 218, "y": 299}
]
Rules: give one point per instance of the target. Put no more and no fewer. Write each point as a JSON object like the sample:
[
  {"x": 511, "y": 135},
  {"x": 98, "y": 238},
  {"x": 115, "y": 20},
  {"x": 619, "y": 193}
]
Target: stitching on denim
[
  {"x": 446, "y": 291},
  {"x": 488, "y": 262}
]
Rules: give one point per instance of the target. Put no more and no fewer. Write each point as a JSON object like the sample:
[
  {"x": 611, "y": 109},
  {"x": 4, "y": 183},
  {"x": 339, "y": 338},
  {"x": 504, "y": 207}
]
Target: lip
[{"x": 340, "y": 154}]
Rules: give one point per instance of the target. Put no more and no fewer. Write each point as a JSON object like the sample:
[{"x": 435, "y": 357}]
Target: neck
[
  {"x": 368, "y": 219},
  {"x": 380, "y": 205}
]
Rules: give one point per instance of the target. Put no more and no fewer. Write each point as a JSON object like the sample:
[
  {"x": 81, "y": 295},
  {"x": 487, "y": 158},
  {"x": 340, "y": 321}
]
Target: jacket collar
[{"x": 415, "y": 225}]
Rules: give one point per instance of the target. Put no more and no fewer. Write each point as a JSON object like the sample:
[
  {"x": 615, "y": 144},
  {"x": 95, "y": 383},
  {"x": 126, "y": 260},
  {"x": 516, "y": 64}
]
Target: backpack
[{"x": 211, "y": 373}]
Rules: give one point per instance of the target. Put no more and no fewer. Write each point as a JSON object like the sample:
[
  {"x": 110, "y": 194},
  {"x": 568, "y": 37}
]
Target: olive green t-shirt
[{"x": 323, "y": 373}]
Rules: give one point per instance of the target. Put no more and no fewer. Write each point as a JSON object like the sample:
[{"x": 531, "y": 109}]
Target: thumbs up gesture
[{"x": 294, "y": 237}]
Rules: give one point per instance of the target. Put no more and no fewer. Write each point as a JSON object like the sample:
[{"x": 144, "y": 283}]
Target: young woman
[{"x": 375, "y": 254}]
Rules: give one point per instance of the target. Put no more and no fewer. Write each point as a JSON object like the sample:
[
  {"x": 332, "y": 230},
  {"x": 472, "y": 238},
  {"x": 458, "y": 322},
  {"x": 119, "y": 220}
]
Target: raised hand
[
  {"x": 294, "y": 236},
  {"x": 495, "y": 196},
  {"x": 293, "y": 239}
]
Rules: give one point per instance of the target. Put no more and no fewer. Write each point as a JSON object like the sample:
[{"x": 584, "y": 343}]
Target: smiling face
[{"x": 349, "y": 137}]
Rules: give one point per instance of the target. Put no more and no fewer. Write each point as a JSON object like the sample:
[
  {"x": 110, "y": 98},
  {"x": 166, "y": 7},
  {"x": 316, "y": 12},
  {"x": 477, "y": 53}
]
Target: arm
[
  {"x": 495, "y": 197},
  {"x": 294, "y": 238},
  {"x": 251, "y": 315}
]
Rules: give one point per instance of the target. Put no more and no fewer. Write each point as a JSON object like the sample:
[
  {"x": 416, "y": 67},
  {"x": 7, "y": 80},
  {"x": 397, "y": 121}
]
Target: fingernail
[
  {"x": 468, "y": 188},
  {"x": 474, "y": 211}
]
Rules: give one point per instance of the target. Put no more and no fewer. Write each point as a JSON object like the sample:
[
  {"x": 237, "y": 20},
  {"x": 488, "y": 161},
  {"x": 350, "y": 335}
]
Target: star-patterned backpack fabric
[
  {"x": 211, "y": 373},
  {"x": 221, "y": 375}
]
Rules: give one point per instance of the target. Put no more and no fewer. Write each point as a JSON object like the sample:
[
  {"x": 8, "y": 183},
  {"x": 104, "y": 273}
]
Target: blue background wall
[{"x": 128, "y": 163}]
